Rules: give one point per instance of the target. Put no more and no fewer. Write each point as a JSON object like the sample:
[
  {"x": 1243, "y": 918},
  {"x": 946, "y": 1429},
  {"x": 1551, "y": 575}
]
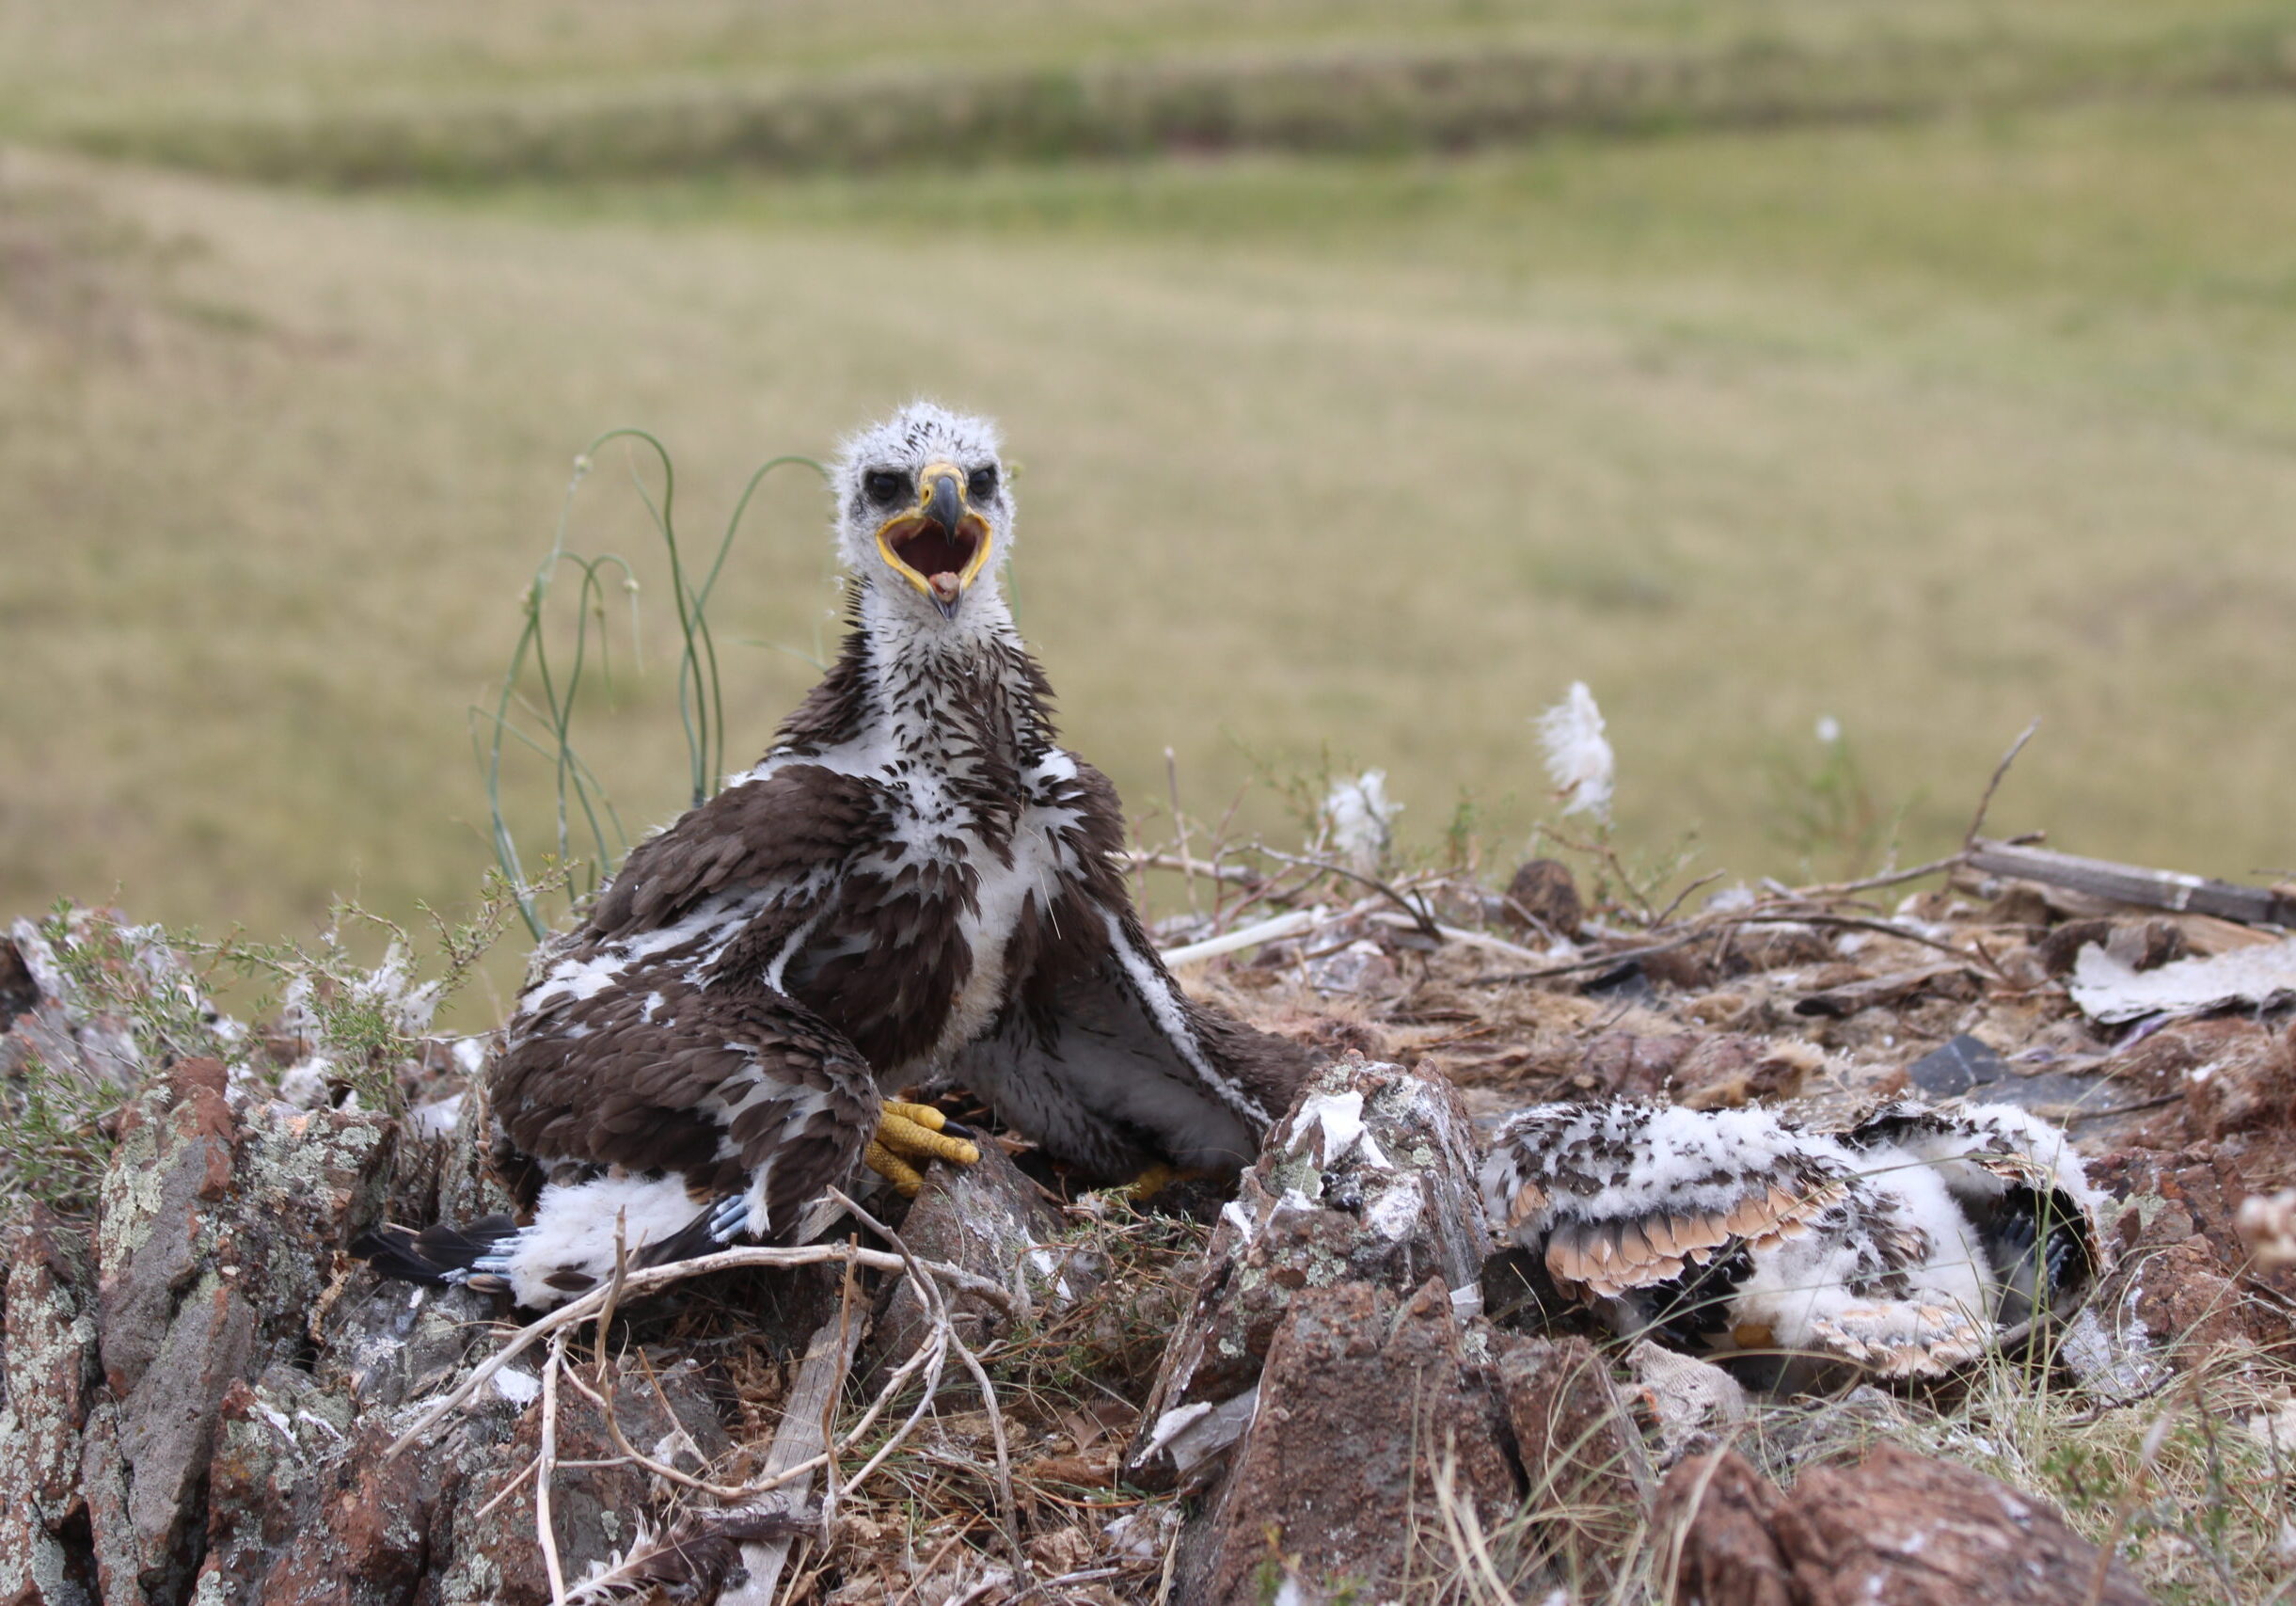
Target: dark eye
[
  {"x": 982, "y": 486},
  {"x": 885, "y": 487}
]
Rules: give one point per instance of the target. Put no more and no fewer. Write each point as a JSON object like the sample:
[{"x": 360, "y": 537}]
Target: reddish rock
[
  {"x": 2182, "y": 1281},
  {"x": 1582, "y": 1457},
  {"x": 1370, "y": 1178},
  {"x": 1715, "y": 1511},
  {"x": 1896, "y": 1527},
  {"x": 1913, "y": 1530},
  {"x": 1363, "y": 1398}
]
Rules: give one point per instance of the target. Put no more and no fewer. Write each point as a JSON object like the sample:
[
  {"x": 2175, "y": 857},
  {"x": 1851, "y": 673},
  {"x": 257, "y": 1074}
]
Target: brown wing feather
[
  {"x": 649, "y": 1094},
  {"x": 782, "y": 827},
  {"x": 1612, "y": 1256}
]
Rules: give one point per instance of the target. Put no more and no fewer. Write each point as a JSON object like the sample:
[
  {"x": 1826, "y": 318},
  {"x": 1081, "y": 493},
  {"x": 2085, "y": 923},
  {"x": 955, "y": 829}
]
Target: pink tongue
[{"x": 945, "y": 586}]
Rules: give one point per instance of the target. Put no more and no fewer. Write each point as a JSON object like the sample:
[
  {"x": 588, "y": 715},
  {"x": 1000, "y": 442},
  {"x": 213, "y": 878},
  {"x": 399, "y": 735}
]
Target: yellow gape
[{"x": 941, "y": 546}]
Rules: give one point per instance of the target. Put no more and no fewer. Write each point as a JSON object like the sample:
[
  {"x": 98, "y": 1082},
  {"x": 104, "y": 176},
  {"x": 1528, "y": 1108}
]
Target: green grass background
[{"x": 1926, "y": 367}]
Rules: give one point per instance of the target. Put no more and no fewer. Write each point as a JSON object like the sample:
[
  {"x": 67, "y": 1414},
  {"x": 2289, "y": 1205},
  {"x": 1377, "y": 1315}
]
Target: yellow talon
[
  {"x": 895, "y": 1169},
  {"x": 907, "y": 1132}
]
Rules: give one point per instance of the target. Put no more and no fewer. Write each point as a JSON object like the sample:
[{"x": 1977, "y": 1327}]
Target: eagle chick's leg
[{"x": 906, "y": 1133}]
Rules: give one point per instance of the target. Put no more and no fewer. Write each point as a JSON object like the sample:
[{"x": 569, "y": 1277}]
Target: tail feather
[{"x": 437, "y": 1254}]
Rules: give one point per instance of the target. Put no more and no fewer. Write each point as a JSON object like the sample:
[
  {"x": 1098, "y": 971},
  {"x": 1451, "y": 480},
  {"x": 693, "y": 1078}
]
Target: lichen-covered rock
[
  {"x": 360, "y": 1527},
  {"x": 1335, "y": 1384},
  {"x": 42, "y": 1018},
  {"x": 218, "y": 1237},
  {"x": 992, "y": 1220},
  {"x": 1368, "y": 1179},
  {"x": 48, "y": 1370},
  {"x": 2182, "y": 1286}
]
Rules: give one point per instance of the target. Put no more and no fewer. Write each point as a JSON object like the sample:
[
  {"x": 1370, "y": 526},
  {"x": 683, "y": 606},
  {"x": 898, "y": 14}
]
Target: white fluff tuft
[
  {"x": 1360, "y": 820},
  {"x": 391, "y": 989},
  {"x": 1578, "y": 757}
]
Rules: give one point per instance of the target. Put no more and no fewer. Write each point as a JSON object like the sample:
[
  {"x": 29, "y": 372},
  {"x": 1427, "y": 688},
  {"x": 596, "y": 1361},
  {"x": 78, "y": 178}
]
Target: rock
[
  {"x": 1717, "y": 1510},
  {"x": 1366, "y": 1403},
  {"x": 217, "y": 1239},
  {"x": 48, "y": 1364},
  {"x": 2176, "y": 1290},
  {"x": 1543, "y": 894},
  {"x": 2176, "y": 1297},
  {"x": 387, "y": 1341},
  {"x": 42, "y": 1017},
  {"x": 1915, "y": 1531},
  {"x": 182, "y": 1353},
  {"x": 20, "y": 990},
  {"x": 1685, "y": 1403},
  {"x": 1370, "y": 1178},
  {"x": 1959, "y": 1066},
  {"x": 1569, "y": 1419},
  {"x": 989, "y": 1219},
  {"x": 363, "y": 1529},
  {"x": 1895, "y": 1527},
  {"x": 1582, "y": 1457}
]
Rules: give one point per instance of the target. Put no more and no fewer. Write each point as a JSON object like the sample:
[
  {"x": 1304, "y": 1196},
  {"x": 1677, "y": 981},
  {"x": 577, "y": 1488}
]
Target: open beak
[{"x": 941, "y": 546}]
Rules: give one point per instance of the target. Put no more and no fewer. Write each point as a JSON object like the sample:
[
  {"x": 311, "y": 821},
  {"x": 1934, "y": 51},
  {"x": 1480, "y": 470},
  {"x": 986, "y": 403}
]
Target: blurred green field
[{"x": 1931, "y": 423}]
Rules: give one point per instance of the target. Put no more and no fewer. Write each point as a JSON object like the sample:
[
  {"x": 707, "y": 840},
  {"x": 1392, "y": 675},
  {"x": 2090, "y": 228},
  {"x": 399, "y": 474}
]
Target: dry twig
[
  {"x": 544, "y": 1464},
  {"x": 653, "y": 1277}
]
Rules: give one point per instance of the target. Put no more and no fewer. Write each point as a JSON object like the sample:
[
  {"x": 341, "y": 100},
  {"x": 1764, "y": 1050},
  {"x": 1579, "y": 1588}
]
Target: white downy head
[{"x": 925, "y": 517}]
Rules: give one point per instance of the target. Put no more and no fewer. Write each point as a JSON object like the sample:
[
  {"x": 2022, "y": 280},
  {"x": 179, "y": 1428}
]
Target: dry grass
[
  {"x": 2199, "y": 1504},
  {"x": 1928, "y": 427},
  {"x": 107, "y": 63}
]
